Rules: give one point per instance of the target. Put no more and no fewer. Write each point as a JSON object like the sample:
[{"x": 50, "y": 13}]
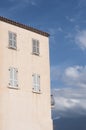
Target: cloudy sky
[{"x": 65, "y": 20}]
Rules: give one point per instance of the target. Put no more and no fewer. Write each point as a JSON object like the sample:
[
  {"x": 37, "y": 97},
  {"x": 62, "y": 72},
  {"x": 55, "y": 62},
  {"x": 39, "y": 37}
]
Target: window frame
[
  {"x": 13, "y": 40},
  {"x": 13, "y": 77},
  {"x": 35, "y": 47},
  {"x": 36, "y": 83}
]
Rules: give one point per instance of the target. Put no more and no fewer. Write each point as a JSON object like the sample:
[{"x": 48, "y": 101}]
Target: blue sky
[{"x": 65, "y": 20}]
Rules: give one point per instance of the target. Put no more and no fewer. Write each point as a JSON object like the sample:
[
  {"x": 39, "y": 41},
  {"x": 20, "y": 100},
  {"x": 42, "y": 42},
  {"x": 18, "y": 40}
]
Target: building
[{"x": 24, "y": 77}]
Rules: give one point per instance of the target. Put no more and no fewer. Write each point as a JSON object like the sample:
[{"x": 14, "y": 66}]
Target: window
[
  {"x": 13, "y": 77},
  {"x": 35, "y": 46},
  {"x": 12, "y": 40},
  {"x": 36, "y": 83}
]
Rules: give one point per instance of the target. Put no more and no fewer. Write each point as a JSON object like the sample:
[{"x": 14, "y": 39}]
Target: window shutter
[
  {"x": 36, "y": 82},
  {"x": 35, "y": 46},
  {"x": 12, "y": 40},
  {"x": 10, "y": 35},
  {"x": 13, "y": 77}
]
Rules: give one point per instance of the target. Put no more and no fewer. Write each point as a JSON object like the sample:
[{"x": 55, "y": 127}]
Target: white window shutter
[
  {"x": 35, "y": 46},
  {"x": 12, "y": 40},
  {"x": 36, "y": 83},
  {"x": 13, "y": 77},
  {"x": 10, "y": 35}
]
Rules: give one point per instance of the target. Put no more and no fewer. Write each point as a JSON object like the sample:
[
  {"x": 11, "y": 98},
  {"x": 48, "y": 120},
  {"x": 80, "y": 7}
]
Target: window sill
[
  {"x": 13, "y": 48},
  {"x": 11, "y": 87},
  {"x": 36, "y": 54},
  {"x": 36, "y": 92}
]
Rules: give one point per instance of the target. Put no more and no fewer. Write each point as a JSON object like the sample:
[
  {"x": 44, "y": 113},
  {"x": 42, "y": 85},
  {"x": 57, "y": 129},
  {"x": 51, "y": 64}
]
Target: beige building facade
[{"x": 24, "y": 77}]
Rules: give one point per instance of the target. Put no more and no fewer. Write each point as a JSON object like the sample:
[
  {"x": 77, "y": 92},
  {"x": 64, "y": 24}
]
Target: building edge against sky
[{"x": 24, "y": 78}]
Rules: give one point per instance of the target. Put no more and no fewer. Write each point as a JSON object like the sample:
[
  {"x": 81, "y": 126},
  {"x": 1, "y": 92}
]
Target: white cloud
[
  {"x": 69, "y": 102},
  {"x": 75, "y": 76},
  {"x": 80, "y": 39},
  {"x": 70, "y": 19},
  {"x": 72, "y": 72},
  {"x": 70, "y": 76}
]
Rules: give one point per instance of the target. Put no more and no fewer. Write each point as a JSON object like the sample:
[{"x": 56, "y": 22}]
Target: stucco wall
[{"x": 22, "y": 109}]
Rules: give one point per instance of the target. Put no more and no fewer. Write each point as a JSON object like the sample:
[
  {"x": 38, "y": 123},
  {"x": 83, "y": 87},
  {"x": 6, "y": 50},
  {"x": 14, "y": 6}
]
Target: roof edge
[{"x": 24, "y": 26}]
